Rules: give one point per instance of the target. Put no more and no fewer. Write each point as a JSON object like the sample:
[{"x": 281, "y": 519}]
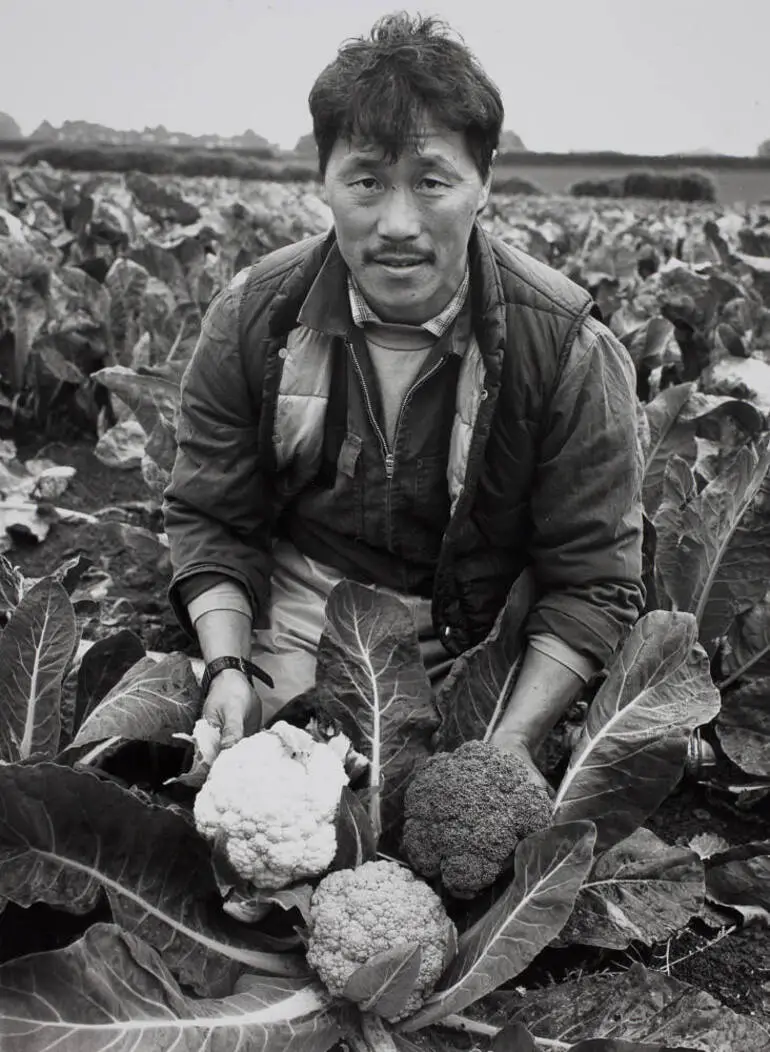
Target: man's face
[{"x": 403, "y": 228}]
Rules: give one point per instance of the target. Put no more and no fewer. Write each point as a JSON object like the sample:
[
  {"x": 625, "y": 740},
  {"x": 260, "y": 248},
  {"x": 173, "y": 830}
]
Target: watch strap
[{"x": 248, "y": 668}]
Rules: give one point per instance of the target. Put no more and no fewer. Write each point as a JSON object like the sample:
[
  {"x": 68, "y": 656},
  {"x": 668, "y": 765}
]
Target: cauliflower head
[
  {"x": 464, "y": 813},
  {"x": 271, "y": 803},
  {"x": 357, "y": 913}
]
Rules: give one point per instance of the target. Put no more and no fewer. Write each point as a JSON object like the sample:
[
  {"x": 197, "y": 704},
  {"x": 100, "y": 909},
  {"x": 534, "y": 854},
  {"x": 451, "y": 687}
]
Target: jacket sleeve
[
  {"x": 213, "y": 511},
  {"x": 586, "y": 503}
]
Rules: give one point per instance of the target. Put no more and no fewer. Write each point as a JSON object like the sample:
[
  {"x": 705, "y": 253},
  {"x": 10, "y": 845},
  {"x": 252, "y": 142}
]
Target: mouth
[{"x": 399, "y": 266}]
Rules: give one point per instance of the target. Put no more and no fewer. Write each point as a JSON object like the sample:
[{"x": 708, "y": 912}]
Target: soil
[
  {"x": 137, "y": 593},
  {"x": 734, "y": 968}
]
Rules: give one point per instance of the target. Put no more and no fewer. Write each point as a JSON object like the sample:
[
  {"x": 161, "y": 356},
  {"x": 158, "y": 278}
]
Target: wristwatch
[{"x": 248, "y": 668}]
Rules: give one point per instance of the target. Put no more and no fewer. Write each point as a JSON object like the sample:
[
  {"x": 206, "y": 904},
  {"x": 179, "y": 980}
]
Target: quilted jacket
[{"x": 543, "y": 468}]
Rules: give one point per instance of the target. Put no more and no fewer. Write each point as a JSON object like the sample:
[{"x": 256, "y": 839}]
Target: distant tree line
[
  {"x": 95, "y": 134},
  {"x": 156, "y": 160}
]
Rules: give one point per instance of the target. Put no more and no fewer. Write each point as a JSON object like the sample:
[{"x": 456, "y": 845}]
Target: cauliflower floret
[
  {"x": 357, "y": 913},
  {"x": 464, "y": 813},
  {"x": 271, "y": 802}
]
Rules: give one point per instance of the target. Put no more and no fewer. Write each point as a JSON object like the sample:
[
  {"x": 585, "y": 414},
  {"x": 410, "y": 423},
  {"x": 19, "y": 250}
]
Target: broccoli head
[{"x": 464, "y": 813}]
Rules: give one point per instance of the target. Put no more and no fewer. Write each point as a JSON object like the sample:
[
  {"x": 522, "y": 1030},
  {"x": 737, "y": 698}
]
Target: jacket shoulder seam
[
  {"x": 296, "y": 253},
  {"x": 265, "y": 276}
]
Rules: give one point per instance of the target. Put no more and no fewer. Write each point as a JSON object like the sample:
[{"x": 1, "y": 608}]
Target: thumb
[{"x": 232, "y": 729}]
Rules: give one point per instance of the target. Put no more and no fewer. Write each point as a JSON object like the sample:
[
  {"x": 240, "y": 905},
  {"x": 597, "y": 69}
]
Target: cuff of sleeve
[
  {"x": 224, "y": 596},
  {"x": 566, "y": 655},
  {"x": 191, "y": 587}
]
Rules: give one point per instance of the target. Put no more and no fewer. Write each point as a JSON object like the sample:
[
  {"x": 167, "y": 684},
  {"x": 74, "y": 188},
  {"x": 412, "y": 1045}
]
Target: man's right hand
[{"x": 233, "y": 705}]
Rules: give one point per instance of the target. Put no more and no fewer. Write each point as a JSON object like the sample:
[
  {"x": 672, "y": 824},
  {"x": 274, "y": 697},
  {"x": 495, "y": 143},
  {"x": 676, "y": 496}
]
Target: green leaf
[
  {"x": 647, "y": 343},
  {"x": 514, "y": 1038},
  {"x": 11, "y": 586},
  {"x": 641, "y": 890},
  {"x": 475, "y": 692},
  {"x": 35, "y": 649},
  {"x": 370, "y": 677},
  {"x": 126, "y": 283},
  {"x": 549, "y": 868},
  {"x": 743, "y": 727},
  {"x": 747, "y": 642},
  {"x": 386, "y": 982},
  {"x": 70, "y": 573},
  {"x": 68, "y": 837},
  {"x": 110, "y": 991},
  {"x": 356, "y": 841},
  {"x": 147, "y": 394},
  {"x": 677, "y": 417},
  {"x": 632, "y": 749},
  {"x": 160, "y": 201},
  {"x": 739, "y": 879},
  {"x": 295, "y": 898},
  {"x": 713, "y": 556},
  {"x": 602, "y": 1044},
  {"x": 103, "y": 665},
  {"x": 151, "y": 702},
  {"x": 633, "y": 1005}
]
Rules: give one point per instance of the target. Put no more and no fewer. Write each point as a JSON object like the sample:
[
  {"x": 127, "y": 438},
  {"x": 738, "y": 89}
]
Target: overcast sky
[{"x": 643, "y": 76}]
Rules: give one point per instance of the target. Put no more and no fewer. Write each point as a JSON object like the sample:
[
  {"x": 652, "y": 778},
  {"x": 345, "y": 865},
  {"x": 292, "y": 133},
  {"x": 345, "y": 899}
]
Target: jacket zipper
[
  {"x": 389, "y": 457},
  {"x": 412, "y": 389}
]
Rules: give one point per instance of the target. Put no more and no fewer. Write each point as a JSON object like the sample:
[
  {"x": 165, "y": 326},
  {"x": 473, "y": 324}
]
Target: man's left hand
[{"x": 512, "y": 743}]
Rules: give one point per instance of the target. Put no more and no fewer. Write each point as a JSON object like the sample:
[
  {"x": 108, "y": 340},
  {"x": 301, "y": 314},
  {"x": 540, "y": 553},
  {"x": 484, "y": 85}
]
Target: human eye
[
  {"x": 365, "y": 183},
  {"x": 432, "y": 185}
]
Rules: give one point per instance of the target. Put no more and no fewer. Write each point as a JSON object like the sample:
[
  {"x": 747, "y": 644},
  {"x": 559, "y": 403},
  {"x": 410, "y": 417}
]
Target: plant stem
[
  {"x": 475, "y": 1026},
  {"x": 177, "y": 342},
  {"x": 376, "y": 1034},
  {"x": 693, "y": 953},
  {"x": 355, "y": 1042},
  {"x": 743, "y": 669},
  {"x": 375, "y": 803}
]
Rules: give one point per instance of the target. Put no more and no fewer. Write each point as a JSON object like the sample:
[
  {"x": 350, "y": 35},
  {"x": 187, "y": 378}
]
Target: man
[{"x": 409, "y": 403}]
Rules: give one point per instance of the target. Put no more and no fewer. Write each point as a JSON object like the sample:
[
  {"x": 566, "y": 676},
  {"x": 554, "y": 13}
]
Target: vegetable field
[{"x": 634, "y": 918}]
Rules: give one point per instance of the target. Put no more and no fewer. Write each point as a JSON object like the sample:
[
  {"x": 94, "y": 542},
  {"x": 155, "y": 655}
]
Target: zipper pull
[{"x": 390, "y": 463}]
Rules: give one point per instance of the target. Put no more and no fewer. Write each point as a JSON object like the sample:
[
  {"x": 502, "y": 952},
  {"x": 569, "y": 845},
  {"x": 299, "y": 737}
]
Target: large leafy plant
[
  {"x": 161, "y": 962},
  {"x": 707, "y": 499}
]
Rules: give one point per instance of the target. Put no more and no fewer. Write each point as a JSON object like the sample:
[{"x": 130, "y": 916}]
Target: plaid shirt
[{"x": 363, "y": 314}]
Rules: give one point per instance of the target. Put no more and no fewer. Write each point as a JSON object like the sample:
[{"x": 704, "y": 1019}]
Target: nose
[{"x": 399, "y": 218}]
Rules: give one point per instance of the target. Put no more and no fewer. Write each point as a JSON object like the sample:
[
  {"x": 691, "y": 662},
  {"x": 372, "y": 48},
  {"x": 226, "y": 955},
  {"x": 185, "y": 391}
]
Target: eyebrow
[{"x": 424, "y": 161}]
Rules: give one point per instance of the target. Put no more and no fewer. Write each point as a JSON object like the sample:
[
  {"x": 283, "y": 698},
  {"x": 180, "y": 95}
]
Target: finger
[{"x": 212, "y": 714}]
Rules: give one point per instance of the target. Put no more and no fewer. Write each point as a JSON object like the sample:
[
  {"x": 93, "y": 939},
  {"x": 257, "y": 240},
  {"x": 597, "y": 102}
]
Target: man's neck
[{"x": 362, "y": 311}]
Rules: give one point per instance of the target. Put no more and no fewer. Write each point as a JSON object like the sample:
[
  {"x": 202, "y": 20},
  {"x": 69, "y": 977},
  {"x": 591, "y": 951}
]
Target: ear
[
  {"x": 486, "y": 188},
  {"x": 484, "y": 193}
]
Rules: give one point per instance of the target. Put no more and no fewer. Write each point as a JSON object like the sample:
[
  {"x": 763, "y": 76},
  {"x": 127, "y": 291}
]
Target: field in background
[
  {"x": 750, "y": 186},
  {"x": 738, "y": 179}
]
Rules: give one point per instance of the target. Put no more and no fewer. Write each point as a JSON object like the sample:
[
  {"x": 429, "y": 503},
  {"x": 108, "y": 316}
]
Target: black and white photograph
[{"x": 384, "y": 526}]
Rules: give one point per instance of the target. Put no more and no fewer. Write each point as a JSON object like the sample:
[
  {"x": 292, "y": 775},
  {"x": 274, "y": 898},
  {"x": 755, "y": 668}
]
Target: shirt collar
[{"x": 363, "y": 314}]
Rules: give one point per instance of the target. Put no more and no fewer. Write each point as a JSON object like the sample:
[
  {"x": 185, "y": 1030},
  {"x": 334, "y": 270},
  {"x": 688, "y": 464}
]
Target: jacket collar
[{"x": 326, "y": 307}]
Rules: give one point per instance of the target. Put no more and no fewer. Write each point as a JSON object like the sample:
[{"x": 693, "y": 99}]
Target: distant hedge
[
  {"x": 236, "y": 165},
  {"x": 685, "y": 185},
  {"x": 688, "y": 185},
  {"x": 160, "y": 161},
  {"x": 514, "y": 184}
]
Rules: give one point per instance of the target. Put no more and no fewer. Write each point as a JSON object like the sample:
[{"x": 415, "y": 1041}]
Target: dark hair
[{"x": 381, "y": 89}]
